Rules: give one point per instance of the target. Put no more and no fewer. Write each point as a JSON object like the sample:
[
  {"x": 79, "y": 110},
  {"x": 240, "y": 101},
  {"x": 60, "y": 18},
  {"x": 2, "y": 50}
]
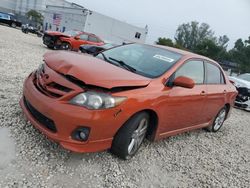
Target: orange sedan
[{"x": 117, "y": 98}]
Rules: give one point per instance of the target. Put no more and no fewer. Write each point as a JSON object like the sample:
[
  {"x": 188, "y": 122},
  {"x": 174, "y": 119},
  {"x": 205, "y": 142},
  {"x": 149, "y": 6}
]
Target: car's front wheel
[
  {"x": 66, "y": 46},
  {"x": 218, "y": 121},
  {"x": 129, "y": 138}
]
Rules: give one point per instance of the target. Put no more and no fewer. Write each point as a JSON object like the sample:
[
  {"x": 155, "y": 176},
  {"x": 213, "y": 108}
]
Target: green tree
[
  {"x": 209, "y": 48},
  {"x": 35, "y": 16},
  {"x": 190, "y": 35},
  {"x": 241, "y": 54},
  {"x": 165, "y": 42}
]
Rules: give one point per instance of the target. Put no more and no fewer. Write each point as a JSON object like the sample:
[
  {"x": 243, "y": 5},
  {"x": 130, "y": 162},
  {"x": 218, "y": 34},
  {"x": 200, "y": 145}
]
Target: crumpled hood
[
  {"x": 93, "y": 71},
  {"x": 239, "y": 82},
  {"x": 56, "y": 33}
]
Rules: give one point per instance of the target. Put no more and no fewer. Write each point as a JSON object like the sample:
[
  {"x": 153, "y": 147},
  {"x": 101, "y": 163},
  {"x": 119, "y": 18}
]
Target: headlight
[{"x": 95, "y": 100}]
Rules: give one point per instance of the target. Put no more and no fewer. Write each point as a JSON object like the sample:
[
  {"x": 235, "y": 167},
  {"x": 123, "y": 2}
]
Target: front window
[
  {"x": 72, "y": 33},
  {"x": 145, "y": 60},
  {"x": 193, "y": 69},
  {"x": 245, "y": 77},
  {"x": 84, "y": 37}
]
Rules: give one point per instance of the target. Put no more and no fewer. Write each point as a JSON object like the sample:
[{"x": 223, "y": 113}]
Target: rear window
[
  {"x": 93, "y": 39},
  {"x": 245, "y": 77},
  {"x": 214, "y": 74}
]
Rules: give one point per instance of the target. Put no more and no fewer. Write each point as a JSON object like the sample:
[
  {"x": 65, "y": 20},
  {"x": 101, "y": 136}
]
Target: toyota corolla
[{"x": 123, "y": 95}]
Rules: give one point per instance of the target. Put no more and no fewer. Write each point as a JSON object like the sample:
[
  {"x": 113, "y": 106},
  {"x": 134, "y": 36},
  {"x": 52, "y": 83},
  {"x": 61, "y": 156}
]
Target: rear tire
[
  {"x": 129, "y": 138},
  {"x": 218, "y": 121},
  {"x": 13, "y": 25}
]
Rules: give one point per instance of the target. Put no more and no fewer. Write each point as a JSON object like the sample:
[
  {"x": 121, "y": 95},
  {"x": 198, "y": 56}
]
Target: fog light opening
[{"x": 81, "y": 134}]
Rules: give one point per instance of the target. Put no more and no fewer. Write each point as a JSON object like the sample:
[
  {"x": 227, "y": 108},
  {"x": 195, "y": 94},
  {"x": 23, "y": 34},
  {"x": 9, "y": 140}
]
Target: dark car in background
[
  {"x": 94, "y": 49},
  {"x": 28, "y": 28},
  {"x": 9, "y": 19}
]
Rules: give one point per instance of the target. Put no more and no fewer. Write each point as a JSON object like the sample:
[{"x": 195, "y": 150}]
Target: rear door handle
[
  {"x": 224, "y": 92},
  {"x": 203, "y": 93}
]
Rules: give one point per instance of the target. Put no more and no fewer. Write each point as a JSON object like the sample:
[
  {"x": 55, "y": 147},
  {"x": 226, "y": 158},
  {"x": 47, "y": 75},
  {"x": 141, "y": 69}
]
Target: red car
[
  {"x": 70, "y": 40},
  {"x": 122, "y": 95}
]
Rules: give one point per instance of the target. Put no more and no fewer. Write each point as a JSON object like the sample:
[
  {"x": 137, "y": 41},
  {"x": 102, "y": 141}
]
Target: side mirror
[
  {"x": 185, "y": 82},
  {"x": 77, "y": 37}
]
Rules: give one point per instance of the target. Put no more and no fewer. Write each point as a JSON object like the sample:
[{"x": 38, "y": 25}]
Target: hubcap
[
  {"x": 138, "y": 136},
  {"x": 65, "y": 47},
  {"x": 219, "y": 120}
]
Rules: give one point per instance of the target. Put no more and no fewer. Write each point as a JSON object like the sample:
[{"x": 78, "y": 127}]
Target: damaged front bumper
[{"x": 243, "y": 98}]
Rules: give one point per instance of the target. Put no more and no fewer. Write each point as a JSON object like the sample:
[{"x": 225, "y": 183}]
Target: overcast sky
[{"x": 230, "y": 17}]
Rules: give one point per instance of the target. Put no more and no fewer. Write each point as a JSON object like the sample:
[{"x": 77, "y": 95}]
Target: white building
[
  {"x": 58, "y": 18},
  {"x": 8, "y": 6},
  {"x": 23, "y": 6}
]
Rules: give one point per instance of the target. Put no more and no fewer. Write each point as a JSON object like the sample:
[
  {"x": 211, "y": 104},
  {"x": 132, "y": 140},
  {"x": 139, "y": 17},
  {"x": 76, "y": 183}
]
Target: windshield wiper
[
  {"x": 104, "y": 57},
  {"x": 128, "y": 67}
]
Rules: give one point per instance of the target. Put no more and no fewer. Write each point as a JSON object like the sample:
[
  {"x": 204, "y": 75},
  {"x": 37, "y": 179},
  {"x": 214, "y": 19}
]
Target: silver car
[{"x": 242, "y": 84}]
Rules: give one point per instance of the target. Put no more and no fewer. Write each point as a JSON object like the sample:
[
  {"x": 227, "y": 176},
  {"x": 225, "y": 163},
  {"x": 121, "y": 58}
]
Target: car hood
[
  {"x": 56, "y": 33},
  {"x": 93, "y": 71},
  {"x": 239, "y": 82}
]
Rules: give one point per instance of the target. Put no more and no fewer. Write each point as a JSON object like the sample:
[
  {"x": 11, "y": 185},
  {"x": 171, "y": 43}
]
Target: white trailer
[{"x": 58, "y": 18}]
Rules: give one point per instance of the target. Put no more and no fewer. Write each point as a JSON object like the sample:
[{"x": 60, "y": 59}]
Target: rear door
[
  {"x": 184, "y": 107},
  {"x": 216, "y": 90}
]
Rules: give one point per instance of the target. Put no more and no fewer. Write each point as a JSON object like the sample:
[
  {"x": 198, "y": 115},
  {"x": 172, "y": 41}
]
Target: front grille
[
  {"x": 43, "y": 120},
  {"x": 49, "y": 40},
  {"x": 52, "y": 89},
  {"x": 59, "y": 87}
]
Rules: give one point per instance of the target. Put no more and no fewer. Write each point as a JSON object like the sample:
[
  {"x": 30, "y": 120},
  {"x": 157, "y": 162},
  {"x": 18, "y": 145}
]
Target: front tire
[
  {"x": 218, "y": 121},
  {"x": 65, "y": 46},
  {"x": 129, "y": 138}
]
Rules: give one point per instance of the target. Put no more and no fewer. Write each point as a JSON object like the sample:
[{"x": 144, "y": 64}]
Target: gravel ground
[{"x": 28, "y": 159}]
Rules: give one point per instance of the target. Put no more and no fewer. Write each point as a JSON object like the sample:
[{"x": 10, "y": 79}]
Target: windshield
[
  {"x": 244, "y": 77},
  {"x": 145, "y": 60},
  {"x": 72, "y": 33}
]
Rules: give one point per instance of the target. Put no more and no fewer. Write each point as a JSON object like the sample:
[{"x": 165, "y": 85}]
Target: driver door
[
  {"x": 83, "y": 39},
  {"x": 184, "y": 107}
]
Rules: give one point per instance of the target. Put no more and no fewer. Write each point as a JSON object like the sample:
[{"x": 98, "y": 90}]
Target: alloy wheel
[
  {"x": 220, "y": 119},
  {"x": 138, "y": 136}
]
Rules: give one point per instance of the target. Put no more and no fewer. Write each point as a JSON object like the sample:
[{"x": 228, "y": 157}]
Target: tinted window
[
  {"x": 214, "y": 75},
  {"x": 192, "y": 69},
  {"x": 93, "y": 39},
  {"x": 148, "y": 61},
  {"x": 84, "y": 37},
  {"x": 4, "y": 16}
]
